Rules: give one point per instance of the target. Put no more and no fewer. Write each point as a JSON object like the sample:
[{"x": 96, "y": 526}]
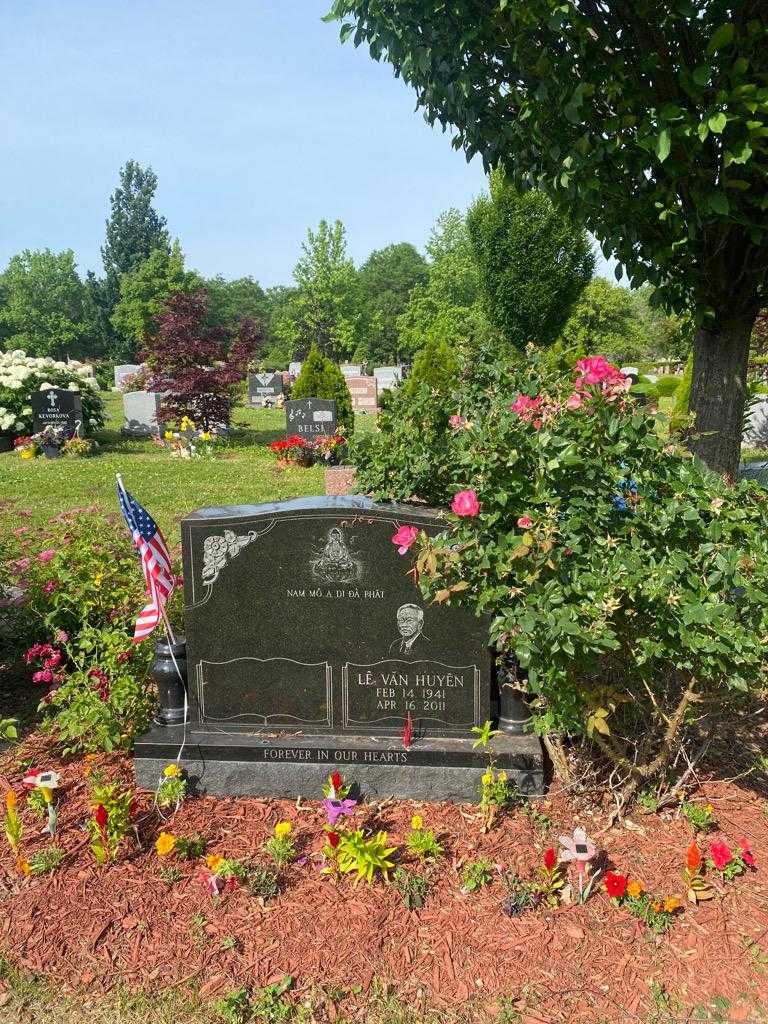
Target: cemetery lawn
[{"x": 168, "y": 487}]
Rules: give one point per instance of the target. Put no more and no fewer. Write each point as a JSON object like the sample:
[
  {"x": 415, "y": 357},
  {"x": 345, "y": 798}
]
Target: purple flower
[{"x": 335, "y": 809}]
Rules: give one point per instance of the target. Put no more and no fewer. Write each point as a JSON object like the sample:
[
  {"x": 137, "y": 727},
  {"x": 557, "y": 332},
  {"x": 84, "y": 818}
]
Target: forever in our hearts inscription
[{"x": 303, "y": 616}]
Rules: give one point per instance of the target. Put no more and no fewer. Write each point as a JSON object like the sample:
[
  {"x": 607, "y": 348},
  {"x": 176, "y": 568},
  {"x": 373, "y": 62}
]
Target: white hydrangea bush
[{"x": 21, "y": 375}]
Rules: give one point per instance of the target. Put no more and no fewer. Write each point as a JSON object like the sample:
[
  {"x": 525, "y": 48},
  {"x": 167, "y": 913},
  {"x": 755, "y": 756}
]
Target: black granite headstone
[
  {"x": 310, "y": 417},
  {"x": 264, "y": 388},
  {"x": 58, "y": 408},
  {"x": 309, "y": 646}
]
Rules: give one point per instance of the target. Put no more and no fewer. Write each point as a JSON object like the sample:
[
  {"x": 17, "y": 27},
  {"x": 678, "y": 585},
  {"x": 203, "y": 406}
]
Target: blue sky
[{"x": 257, "y": 121}]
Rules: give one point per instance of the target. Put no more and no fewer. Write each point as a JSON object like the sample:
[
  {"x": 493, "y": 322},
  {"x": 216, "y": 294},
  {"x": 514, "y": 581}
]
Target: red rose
[{"x": 615, "y": 885}]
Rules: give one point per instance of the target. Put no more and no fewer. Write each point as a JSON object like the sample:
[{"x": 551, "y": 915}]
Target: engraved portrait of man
[{"x": 410, "y": 625}]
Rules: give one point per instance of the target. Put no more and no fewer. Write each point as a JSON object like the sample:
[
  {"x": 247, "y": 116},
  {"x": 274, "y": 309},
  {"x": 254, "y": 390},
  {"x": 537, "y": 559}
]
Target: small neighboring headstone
[
  {"x": 123, "y": 371},
  {"x": 310, "y": 417},
  {"x": 309, "y": 648},
  {"x": 351, "y": 369},
  {"x": 294, "y": 369},
  {"x": 756, "y": 426},
  {"x": 364, "y": 392},
  {"x": 264, "y": 388},
  {"x": 387, "y": 377},
  {"x": 140, "y": 409},
  {"x": 58, "y": 408}
]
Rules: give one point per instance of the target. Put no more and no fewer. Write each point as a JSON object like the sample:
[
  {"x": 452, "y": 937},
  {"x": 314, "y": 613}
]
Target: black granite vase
[
  {"x": 51, "y": 451},
  {"x": 514, "y": 715},
  {"x": 171, "y": 680}
]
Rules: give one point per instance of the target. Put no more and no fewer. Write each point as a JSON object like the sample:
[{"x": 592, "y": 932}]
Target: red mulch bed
[{"x": 92, "y": 929}]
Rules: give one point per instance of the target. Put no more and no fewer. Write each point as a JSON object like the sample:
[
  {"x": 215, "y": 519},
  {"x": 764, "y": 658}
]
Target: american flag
[{"x": 155, "y": 561}]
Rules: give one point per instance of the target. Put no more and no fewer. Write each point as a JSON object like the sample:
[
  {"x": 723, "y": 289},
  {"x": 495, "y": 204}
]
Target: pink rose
[
  {"x": 574, "y": 401},
  {"x": 404, "y": 538},
  {"x": 50, "y": 586},
  {"x": 465, "y": 503},
  {"x": 525, "y": 522},
  {"x": 43, "y": 676},
  {"x": 47, "y": 555},
  {"x": 456, "y": 421}
]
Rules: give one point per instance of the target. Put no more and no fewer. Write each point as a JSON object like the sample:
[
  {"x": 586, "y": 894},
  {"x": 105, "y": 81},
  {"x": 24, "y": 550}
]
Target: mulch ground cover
[{"x": 91, "y": 929}]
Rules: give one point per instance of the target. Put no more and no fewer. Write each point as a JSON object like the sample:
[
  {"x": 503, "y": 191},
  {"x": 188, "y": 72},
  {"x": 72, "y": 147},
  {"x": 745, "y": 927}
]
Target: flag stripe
[{"x": 155, "y": 562}]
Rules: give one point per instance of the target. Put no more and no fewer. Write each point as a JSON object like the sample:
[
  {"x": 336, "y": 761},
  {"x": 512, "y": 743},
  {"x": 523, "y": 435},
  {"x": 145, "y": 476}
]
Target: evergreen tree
[
  {"x": 435, "y": 365},
  {"x": 321, "y": 378}
]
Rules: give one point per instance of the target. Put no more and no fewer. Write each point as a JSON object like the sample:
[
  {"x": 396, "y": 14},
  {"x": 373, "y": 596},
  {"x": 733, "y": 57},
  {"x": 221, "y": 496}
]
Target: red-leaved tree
[{"x": 197, "y": 364}]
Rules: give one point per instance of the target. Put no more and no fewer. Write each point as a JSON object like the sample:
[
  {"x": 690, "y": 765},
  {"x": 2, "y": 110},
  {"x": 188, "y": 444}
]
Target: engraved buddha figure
[
  {"x": 410, "y": 624},
  {"x": 335, "y": 564}
]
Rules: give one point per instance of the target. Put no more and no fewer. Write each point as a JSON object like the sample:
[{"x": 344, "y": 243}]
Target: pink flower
[
  {"x": 456, "y": 421},
  {"x": 22, "y": 564},
  {"x": 574, "y": 401},
  {"x": 525, "y": 522},
  {"x": 537, "y": 424},
  {"x": 746, "y": 852},
  {"x": 525, "y": 406},
  {"x": 47, "y": 555},
  {"x": 721, "y": 854},
  {"x": 465, "y": 503},
  {"x": 19, "y": 531},
  {"x": 578, "y": 847},
  {"x": 404, "y": 538},
  {"x": 61, "y": 636},
  {"x": 53, "y": 661},
  {"x": 43, "y": 676},
  {"x": 50, "y": 586}
]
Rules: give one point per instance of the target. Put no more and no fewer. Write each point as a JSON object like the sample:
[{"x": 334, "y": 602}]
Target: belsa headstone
[
  {"x": 309, "y": 648},
  {"x": 59, "y": 408},
  {"x": 310, "y": 417},
  {"x": 264, "y": 388}
]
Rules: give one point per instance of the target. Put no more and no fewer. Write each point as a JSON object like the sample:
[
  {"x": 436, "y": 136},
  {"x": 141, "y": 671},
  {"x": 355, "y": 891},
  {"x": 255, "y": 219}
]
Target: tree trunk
[{"x": 718, "y": 390}]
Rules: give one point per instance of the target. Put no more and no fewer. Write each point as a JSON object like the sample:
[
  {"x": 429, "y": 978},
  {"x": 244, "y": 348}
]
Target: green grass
[{"x": 245, "y": 473}]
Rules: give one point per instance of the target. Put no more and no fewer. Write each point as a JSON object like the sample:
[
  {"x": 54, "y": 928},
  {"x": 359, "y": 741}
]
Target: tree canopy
[
  {"x": 42, "y": 303},
  {"x": 646, "y": 121}
]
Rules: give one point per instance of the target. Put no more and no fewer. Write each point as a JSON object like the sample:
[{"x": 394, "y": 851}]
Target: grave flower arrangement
[
  {"x": 21, "y": 375},
  {"x": 190, "y": 441},
  {"x": 624, "y": 618},
  {"x": 657, "y": 912},
  {"x": 292, "y": 451},
  {"x": 172, "y": 788},
  {"x": 112, "y": 819}
]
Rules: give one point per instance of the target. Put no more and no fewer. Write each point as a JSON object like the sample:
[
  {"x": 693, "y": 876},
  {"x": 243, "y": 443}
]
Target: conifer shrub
[{"x": 321, "y": 378}]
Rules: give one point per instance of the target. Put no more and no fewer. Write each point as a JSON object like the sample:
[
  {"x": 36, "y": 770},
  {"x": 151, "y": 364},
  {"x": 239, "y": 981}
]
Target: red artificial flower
[
  {"x": 746, "y": 852},
  {"x": 693, "y": 858},
  {"x": 550, "y": 858},
  {"x": 333, "y": 839},
  {"x": 101, "y": 817},
  {"x": 615, "y": 885},
  {"x": 721, "y": 854},
  {"x": 408, "y": 731},
  {"x": 336, "y": 781}
]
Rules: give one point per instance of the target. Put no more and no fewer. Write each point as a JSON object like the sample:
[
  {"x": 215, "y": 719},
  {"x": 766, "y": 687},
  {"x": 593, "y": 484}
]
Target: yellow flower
[
  {"x": 10, "y": 800},
  {"x": 23, "y": 866},
  {"x": 47, "y": 793},
  {"x": 416, "y": 822},
  {"x": 97, "y": 581},
  {"x": 172, "y": 771},
  {"x": 487, "y": 779},
  {"x": 671, "y": 903},
  {"x": 283, "y": 828},
  {"x": 502, "y": 776},
  {"x": 214, "y": 861},
  {"x": 656, "y": 906},
  {"x": 205, "y": 436},
  {"x": 634, "y": 889},
  {"x": 168, "y": 435},
  {"x": 709, "y": 808},
  {"x": 165, "y": 844},
  {"x": 27, "y": 453}
]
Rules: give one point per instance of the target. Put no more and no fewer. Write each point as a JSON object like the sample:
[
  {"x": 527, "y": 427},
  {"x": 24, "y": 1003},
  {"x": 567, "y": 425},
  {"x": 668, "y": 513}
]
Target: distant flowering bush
[
  {"x": 21, "y": 375},
  {"x": 626, "y": 580}
]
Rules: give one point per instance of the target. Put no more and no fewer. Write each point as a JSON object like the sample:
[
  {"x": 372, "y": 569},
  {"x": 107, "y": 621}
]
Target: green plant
[
  {"x": 45, "y": 861},
  {"x": 367, "y": 857},
  {"x": 281, "y": 847},
  {"x": 522, "y": 895},
  {"x": 421, "y": 842},
  {"x": 37, "y": 803},
  {"x": 189, "y": 847},
  {"x": 412, "y": 886},
  {"x": 649, "y": 801},
  {"x": 263, "y": 882},
  {"x": 484, "y": 733},
  {"x": 701, "y": 817},
  {"x": 229, "y": 943},
  {"x": 235, "y": 1007},
  {"x": 270, "y": 1005},
  {"x": 113, "y": 808},
  {"x": 21, "y": 375},
  {"x": 170, "y": 874},
  {"x": 476, "y": 874},
  {"x": 8, "y": 729},
  {"x": 172, "y": 788},
  {"x": 321, "y": 378},
  {"x": 12, "y": 824}
]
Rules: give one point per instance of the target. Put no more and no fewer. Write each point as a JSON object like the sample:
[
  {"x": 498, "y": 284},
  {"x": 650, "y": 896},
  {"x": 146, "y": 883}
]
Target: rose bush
[
  {"x": 629, "y": 582},
  {"x": 21, "y": 375}
]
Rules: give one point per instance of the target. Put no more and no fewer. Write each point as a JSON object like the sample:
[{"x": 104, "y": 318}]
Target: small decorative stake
[
  {"x": 171, "y": 689},
  {"x": 514, "y": 715}
]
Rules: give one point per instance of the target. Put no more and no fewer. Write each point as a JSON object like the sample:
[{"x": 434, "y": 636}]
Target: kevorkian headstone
[
  {"x": 364, "y": 393},
  {"x": 756, "y": 426},
  {"x": 140, "y": 413},
  {"x": 123, "y": 371},
  {"x": 264, "y": 388},
  {"x": 309, "y": 649},
  {"x": 310, "y": 417},
  {"x": 351, "y": 369},
  {"x": 387, "y": 377},
  {"x": 58, "y": 408}
]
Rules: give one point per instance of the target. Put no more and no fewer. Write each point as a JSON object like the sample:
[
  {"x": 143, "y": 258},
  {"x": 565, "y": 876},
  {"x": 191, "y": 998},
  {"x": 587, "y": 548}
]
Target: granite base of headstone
[
  {"x": 309, "y": 649},
  {"x": 140, "y": 413}
]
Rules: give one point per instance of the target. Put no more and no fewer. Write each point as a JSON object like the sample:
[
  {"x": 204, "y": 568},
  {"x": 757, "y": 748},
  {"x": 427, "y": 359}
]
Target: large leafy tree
[
  {"x": 143, "y": 292},
  {"x": 647, "y": 120},
  {"x": 387, "y": 279},
  {"x": 42, "y": 303},
  {"x": 230, "y": 302},
  {"x": 134, "y": 228},
  {"x": 533, "y": 262}
]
